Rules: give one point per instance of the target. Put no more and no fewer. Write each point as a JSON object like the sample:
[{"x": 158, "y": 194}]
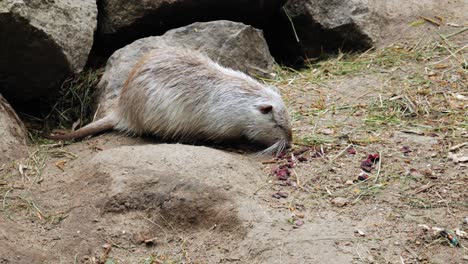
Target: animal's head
[{"x": 269, "y": 123}]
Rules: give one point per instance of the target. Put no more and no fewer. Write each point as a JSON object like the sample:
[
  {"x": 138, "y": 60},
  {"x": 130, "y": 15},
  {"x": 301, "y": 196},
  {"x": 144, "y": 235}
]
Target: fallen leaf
[{"x": 61, "y": 164}]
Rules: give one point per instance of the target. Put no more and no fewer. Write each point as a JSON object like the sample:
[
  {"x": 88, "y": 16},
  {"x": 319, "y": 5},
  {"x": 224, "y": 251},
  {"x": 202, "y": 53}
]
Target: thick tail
[{"x": 104, "y": 124}]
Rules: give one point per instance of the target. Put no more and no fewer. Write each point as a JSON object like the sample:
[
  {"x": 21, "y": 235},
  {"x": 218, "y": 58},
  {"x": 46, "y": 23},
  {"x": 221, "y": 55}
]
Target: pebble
[{"x": 340, "y": 201}]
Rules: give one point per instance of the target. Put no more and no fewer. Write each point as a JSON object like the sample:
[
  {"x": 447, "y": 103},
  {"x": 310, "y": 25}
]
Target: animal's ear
[{"x": 265, "y": 109}]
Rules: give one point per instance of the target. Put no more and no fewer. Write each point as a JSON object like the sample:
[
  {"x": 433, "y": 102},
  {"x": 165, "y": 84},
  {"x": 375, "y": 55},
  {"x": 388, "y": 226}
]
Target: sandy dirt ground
[{"x": 377, "y": 174}]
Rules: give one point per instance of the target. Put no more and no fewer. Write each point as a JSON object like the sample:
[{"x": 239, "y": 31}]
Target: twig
[
  {"x": 456, "y": 33},
  {"x": 4, "y": 198},
  {"x": 341, "y": 153},
  {"x": 297, "y": 179},
  {"x": 156, "y": 224},
  {"x": 458, "y": 146},
  {"x": 430, "y": 20},
  {"x": 425, "y": 187},
  {"x": 292, "y": 24}
]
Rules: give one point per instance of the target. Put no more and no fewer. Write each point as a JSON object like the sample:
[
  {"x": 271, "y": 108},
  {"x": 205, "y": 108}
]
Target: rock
[
  {"x": 122, "y": 21},
  {"x": 231, "y": 44},
  {"x": 170, "y": 193},
  {"x": 340, "y": 201},
  {"x": 329, "y": 25},
  {"x": 359, "y": 24},
  {"x": 42, "y": 43},
  {"x": 12, "y": 134},
  {"x": 13, "y": 249},
  {"x": 413, "y": 139},
  {"x": 183, "y": 187}
]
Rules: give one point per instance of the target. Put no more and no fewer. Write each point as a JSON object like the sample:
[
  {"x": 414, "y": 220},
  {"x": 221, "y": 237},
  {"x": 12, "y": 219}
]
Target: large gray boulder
[
  {"x": 123, "y": 21},
  {"x": 330, "y": 25},
  {"x": 231, "y": 44},
  {"x": 360, "y": 24},
  {"x": 12, "y": 134},
  {"x": 41, "y": 43}
]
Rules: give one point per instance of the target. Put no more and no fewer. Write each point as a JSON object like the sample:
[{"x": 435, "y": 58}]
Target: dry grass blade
[{"x": 76, "y": 101}]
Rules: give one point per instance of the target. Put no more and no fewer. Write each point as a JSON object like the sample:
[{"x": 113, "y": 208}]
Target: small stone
[
  {"x": 349, "y": 182},
  {"x": 298, "y": 223},
  {"x": 360, "y": 232},
  {"x": 283, "y": 194},
  {"x": 327, "y": 131},
  {"x": 106, "y": 246},
  {"x": 340, "y": 201}
]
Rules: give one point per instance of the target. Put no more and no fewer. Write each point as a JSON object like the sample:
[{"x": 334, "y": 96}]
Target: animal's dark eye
[{"x": 265, "y": 109}]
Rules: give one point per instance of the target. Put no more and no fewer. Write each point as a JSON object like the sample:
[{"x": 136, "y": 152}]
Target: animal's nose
[{"x": 288, "y": 145}]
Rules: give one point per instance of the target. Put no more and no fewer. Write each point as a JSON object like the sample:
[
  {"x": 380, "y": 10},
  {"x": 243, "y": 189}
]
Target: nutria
[{"x": 180, "y": 94}]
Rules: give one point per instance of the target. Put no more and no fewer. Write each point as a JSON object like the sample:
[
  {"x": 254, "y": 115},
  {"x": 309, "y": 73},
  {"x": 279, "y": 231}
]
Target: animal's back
[{"x": 180, "y": 94}]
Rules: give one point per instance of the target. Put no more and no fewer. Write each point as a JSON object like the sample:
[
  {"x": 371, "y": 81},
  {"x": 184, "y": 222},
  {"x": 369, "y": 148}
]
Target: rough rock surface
[
  {"x": 231, "y": 44},
  {"x": 122, "y": 21},
  {"x": 171, "y": 193},
  {"x": 41, "y": 43},
  {"x": 11, "y": 252},
  {"x": 360, "y": 24},
  {"x": 12, "y": 133}
]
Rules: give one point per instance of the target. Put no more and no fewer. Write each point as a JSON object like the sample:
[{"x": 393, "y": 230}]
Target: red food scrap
[
  {"x": 367, "y": 165},
  {"x": 352, "y": 151},
  {"x": 405, "y": 150},
  {"x": 363, "y": 176},
  {"x": 281, "y": 172},
  {"x": 288, "y": 165},
  {"x": 373, "y": 157},
  {"x": 301, "y": 151}
]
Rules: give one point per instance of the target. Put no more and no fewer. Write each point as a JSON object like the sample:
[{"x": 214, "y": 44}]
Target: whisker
[
  {"x": 271, "y": 149},
  {"x": 277, "y": 148}
]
